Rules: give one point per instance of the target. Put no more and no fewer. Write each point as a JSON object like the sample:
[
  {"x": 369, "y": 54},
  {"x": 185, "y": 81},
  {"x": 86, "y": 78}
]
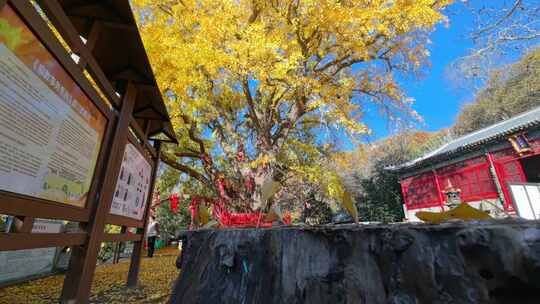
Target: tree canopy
[
  {"x": 259, "y": 90},
  {"x": 510, "y": 90}
]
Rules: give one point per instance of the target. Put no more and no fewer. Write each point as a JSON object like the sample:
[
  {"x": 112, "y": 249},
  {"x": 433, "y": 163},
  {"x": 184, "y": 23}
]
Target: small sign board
[{"x": 133, "y": 185}]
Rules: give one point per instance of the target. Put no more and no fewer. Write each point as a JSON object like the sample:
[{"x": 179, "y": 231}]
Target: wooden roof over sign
[{"x": 119, "y": 51}]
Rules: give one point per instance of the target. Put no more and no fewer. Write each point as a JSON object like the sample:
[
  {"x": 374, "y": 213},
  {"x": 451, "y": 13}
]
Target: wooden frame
[
  {"x": 43, "y": 33},
  {"x": 55, "y": 13},
  {"x": 96, "y": 214},
  {"x": 18, "y": 241},
  {"x": 121, "y": 237}
]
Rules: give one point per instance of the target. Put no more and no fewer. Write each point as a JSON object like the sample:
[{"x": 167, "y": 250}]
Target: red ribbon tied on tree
[{"x": 174, "y": 202}]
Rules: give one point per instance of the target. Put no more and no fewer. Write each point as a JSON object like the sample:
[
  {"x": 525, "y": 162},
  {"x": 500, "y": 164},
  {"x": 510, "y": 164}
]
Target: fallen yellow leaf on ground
[
  {"x": 461, "y": 212},
  {"x": 156, "y": 277}
]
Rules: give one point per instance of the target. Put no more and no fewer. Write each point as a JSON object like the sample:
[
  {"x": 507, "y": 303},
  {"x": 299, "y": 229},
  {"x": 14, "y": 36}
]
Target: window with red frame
[
  {"x": 472, "y": 177},
  {"x": 511, "y": 171},
  {"x": 420, "y": 191}
]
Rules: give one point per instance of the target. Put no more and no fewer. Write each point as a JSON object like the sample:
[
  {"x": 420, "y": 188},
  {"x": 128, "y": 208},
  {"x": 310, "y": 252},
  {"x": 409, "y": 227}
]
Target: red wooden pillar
[
  {"x": 439, "y": 189},
  {"x": 405, "y": 200},
  {"x": 78, "y": 280},
  {"x": 502, "y": 177}
]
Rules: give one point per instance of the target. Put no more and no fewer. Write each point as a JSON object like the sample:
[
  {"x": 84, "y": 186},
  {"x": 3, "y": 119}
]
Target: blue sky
[{"x": 438, "y": 100}]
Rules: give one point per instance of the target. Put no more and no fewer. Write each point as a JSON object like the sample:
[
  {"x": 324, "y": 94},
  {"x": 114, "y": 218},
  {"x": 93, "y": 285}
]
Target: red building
[{"x": 488, "y": 166}]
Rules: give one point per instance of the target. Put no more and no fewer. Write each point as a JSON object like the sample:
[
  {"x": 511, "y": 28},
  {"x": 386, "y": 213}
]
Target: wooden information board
[
  {"x": 78, "y": 139},
  {"x": 50, "y": 131}
]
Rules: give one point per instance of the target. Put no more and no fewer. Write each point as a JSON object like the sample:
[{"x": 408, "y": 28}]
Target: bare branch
[{"x": 480, "y": 32}]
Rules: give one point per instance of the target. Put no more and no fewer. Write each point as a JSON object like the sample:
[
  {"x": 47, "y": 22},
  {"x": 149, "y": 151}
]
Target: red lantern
[{"x": 174, "y": 203}]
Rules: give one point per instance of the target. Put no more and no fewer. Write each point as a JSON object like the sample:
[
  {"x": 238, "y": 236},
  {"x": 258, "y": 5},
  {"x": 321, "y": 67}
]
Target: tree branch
[
  {"x": 498, "y": 22},
  {"x": 167, "y": 159},
  {"x": 192, "y": 135},
  {"x": 187, "y": 154},
  {"x": 331, "y": 63},
  {"x": 251, "y": 104}
]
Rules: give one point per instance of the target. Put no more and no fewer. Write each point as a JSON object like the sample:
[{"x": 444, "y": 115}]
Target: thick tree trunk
[{"x": 491, "y": 262}]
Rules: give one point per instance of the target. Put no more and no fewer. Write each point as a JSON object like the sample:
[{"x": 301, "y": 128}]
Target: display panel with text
[
  {"x": 50, "y": 131},
  {"x": 133, "y": 185}
]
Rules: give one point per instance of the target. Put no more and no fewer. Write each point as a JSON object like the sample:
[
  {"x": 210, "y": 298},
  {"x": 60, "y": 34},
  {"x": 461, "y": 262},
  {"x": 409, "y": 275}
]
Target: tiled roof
[{"x": 477, "y": 138}]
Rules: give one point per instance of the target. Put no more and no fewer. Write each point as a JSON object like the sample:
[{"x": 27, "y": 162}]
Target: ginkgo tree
[{"x": 259, "y": 90}]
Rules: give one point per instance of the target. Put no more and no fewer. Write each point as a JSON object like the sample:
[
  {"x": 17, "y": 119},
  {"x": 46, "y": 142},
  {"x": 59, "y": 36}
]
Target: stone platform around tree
[{"x": 458, "y": 262}]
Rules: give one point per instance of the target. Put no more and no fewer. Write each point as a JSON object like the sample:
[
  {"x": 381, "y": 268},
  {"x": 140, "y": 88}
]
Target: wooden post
[
  {"x": 116, "y": 251},
  {"x": 90, "y": 43},
  {"x": 79, "y": 277},
  {"x": 138, "y": 246},
  {"x": 55, "y": 12},
  {"x": 118, "y": 246}
]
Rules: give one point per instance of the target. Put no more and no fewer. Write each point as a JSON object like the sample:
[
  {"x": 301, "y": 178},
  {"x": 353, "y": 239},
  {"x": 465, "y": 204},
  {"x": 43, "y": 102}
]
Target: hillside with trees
[{"x": 510, "y": 90}]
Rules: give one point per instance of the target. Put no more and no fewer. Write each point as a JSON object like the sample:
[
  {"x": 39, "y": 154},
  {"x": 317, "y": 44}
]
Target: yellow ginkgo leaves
[
  {"x": 109, "y": 286},
  {"x": 349, "y": 205},
  {"x": 279, "y": 76},
  {"x": 201, "y": 50},
  {"x": 461, "y": 212}
]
